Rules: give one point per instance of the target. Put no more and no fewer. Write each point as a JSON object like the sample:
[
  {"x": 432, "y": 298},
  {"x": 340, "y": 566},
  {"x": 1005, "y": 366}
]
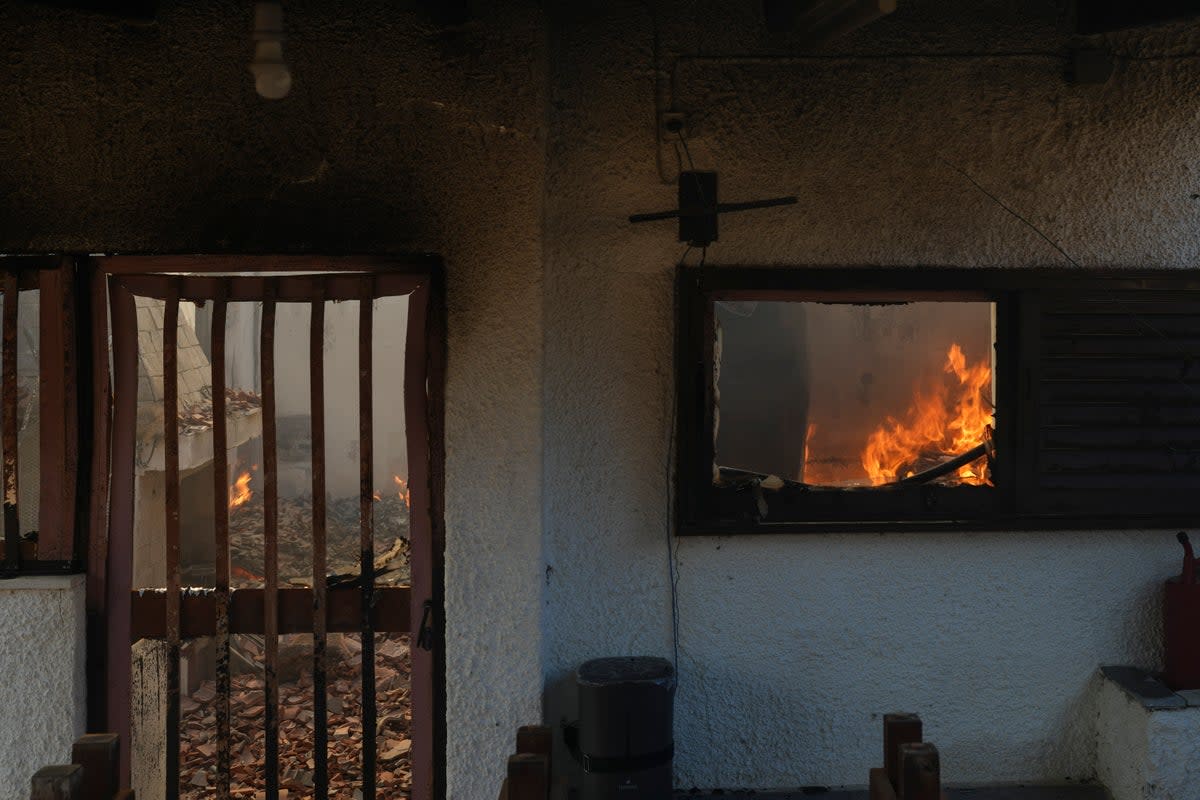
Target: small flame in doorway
[
  {"x": 239, "y": 492},
  {"x": 805, "y": 471},
  {"x": 404, "y": 492}
]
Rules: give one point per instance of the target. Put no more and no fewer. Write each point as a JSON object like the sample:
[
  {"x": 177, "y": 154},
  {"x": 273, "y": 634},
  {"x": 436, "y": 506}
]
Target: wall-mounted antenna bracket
[{"x": 699, "y": 209}]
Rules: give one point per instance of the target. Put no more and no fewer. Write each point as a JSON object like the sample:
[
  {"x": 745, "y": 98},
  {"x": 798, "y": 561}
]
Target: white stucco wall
[
  {"x": 42, "y": 690},
  {"x": 402, "y": 138},
  {"x": 1144, "y": 754},
  {"x": 792, "y": 646}
]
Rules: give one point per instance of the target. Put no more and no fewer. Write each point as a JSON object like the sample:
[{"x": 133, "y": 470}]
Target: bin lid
[{"x": 626, "y": 669}]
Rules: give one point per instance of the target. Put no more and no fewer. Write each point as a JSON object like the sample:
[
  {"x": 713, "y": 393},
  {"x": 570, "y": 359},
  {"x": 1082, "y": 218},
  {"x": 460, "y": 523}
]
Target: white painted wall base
[
  {"x": 42, "y": 684},
  {"x": 1145, "y": 753}
]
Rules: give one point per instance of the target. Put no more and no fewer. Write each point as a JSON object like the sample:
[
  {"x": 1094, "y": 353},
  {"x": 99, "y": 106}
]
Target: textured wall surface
[
  {"x": 398, "y": 136},
  {"x": 42, "y": 690},
  {"x": 516, "y": 147},
  {"x": 792, "y": 646},
  {"x": 1121, "y": 742},
  {"x": 1143, "y": 754}
]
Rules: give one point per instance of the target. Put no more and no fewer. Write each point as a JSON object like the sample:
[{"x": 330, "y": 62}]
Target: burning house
[{"x": 384, "y": 380}]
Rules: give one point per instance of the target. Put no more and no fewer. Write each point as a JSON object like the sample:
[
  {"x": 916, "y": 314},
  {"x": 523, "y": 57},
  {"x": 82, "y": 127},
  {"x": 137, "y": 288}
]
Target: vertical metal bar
[
  {"x": 270, "y": 540},
  {"x": 221, "y": 531},
  {"x": 119, "y": 559},
  {"x": 74, "y": 523},
  {"x": 8, "y": 419},
  {"x": 54, "y": 534},
  {"x": 97, "y": 479},
  {"x": 171, "y": 494},
  {"x": 366, "y": 456},
  {"x": 420, "y": 537},
  {"x": 316, "y": 351},
  {"x": 435, "y": 441}
]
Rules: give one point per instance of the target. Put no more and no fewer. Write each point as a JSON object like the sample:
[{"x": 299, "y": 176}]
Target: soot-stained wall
[
  {"x": 791, "y": 647},
  {"x": 397, "y": 137},
  {"x": 515, "y": 147}
]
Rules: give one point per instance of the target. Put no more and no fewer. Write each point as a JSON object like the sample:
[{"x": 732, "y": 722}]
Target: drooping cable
[
  {"x": 1137, "y": 318},
  {"x": 668, "y": 482}
]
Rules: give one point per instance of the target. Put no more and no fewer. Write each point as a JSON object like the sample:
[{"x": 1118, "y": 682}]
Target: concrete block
[
  {"x": 1145, "y": 750},
  {"x": 43, "y": 692}
]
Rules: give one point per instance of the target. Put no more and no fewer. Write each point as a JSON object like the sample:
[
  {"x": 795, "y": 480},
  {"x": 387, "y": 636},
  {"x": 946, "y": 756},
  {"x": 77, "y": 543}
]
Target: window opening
[
  {"x": 854, "y": 395},
  {"x": 815, "y": 400}
]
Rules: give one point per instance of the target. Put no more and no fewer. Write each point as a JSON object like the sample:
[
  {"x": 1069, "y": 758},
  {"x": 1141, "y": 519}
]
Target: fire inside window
[
  {"x": 854, "y": 395},
  {"x": 815, "y": 400}
]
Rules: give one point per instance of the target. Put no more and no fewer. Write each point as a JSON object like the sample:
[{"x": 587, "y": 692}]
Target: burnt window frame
[{"x": 1014, "y": 502}]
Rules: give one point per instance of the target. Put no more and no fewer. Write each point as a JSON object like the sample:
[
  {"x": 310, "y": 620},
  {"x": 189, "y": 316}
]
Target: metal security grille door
[{"x": 330, "y": 598}]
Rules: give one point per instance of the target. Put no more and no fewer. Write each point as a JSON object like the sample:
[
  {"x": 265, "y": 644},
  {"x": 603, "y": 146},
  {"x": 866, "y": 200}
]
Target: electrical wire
[
  {"x": 668, "y": 482},
  {"x": 1027, "y": 223},
  {"x": 686, "y": 151},
  {"x": 672, "y": 544}
]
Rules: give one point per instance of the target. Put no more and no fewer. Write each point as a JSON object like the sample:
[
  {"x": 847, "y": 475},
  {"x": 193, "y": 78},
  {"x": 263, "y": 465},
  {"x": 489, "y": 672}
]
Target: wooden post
[
  {"x": 536, "y": 740},
  {"x": 898, "y": 730},
  {"x": 528, "y": 777},
  {"x": 99, "y": 754},
  {"x": 879, "y": 787},
  {"x": 920, "y": 772},
  {"x": 62, "y": 782}
]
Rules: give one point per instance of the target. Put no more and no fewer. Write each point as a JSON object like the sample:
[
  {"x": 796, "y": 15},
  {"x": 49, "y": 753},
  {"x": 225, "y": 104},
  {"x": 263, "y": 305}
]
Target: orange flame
[
  {"x": 947, "y": 421},
  {"x": 806, "y": 470},
  {"x": 405, "y": 493},
  {"x": 240, "y": 492},
  {"x": 246, "y": 575}
]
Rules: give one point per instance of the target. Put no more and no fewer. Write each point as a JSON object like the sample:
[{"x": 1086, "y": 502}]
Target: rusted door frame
[{"x": 111, "y": 608}]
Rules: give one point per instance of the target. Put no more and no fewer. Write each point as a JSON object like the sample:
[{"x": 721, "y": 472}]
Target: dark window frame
[
  {"x": 57, "y": 543},
  {"x": 1016, "y": 502}
]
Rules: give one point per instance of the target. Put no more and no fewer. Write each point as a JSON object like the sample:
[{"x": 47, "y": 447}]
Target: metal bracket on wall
[{"x": 698, "y": 208}]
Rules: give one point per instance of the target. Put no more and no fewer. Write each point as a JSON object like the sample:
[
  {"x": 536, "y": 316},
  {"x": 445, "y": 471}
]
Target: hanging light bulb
[{"x": 272, "y": 79}]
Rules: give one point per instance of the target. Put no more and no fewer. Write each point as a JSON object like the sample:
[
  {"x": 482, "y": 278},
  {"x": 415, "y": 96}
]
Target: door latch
[{"x": 425, "y": 631}]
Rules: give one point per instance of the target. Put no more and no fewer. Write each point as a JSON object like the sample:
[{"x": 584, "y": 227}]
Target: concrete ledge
[
  {"x": 41, "y": 583},
  {"x": 1148, "y": 689},
  {"x": 1148, "y": 737}
]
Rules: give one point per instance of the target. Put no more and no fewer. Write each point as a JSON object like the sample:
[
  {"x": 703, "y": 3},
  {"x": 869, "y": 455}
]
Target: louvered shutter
[{"x": 1109, "y": 403}]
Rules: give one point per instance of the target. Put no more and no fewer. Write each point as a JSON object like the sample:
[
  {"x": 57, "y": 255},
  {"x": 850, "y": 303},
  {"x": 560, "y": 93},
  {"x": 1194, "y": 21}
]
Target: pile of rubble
[
  {"x": 198, "y": 745},
  {"x": 198, "y": 417},
  {"x": 342, "y": 540}
]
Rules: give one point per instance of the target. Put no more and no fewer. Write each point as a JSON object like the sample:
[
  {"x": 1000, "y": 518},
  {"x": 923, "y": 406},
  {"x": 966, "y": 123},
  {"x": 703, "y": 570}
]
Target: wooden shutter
[{"x": 1110, "y": 402}]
